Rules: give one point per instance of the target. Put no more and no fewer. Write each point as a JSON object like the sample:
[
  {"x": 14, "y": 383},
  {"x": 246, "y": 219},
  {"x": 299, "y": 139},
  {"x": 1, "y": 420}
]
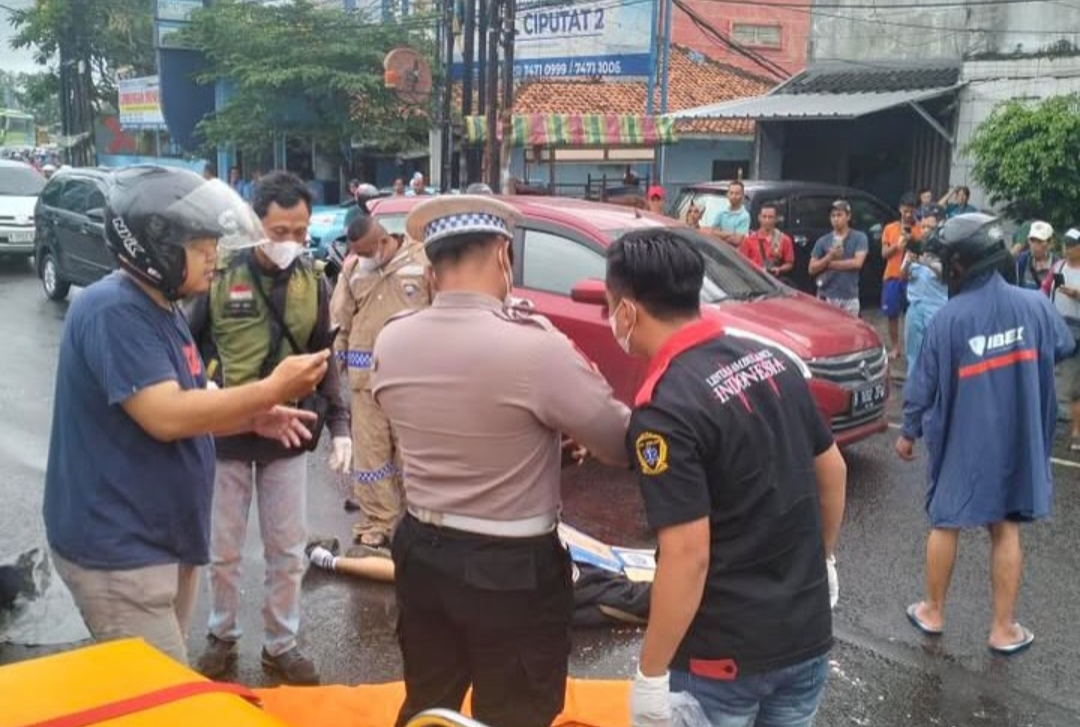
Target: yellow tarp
[
  {"x": 54, "y": 686},
  {"x": 589, "y": 703},
  {"x": 58, "y": 685}
]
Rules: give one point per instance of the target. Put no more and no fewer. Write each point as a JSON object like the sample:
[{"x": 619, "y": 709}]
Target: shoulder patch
[
  {"x": 652, "y": 453},
  {"x": 517, "y": 312}
]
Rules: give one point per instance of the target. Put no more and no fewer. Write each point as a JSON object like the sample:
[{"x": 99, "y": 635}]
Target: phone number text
[{"x": 556, "y": 69}]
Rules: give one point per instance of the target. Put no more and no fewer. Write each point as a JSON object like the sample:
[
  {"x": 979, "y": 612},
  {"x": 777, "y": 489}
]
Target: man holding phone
[
  {"x": 1063, "y": 286},
  {"x": 838, "y": 258},
  {"x": 895, "y": 239},
  {"x": 267, "y": 303}
]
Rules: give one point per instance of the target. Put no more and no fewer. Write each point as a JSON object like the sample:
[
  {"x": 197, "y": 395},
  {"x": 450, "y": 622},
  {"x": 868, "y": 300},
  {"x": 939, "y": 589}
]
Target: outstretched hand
[{"x": 285, "y": 424}]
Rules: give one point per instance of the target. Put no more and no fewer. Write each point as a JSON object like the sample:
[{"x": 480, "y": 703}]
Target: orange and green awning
[{"x": 579, "y": 130}]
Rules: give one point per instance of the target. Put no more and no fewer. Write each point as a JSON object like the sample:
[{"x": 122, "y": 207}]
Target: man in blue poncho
[{"x": 982, "y": 394}]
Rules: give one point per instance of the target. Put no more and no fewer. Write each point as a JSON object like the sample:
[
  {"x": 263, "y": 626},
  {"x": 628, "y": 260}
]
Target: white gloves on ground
[
  {"x": 834, "y": 584},
  {"x": 341, "y": 458},
  {"x": 650, "y": 701}
]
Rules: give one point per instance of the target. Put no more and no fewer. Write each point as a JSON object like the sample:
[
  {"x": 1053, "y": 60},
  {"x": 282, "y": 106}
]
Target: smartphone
[
  {"x": 331, "y": 337},
  {"x": 1059, "y": 280}
]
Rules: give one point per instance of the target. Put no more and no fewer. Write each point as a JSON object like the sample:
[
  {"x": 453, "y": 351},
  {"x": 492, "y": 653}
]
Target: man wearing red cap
[{"x": 654, "y": 200}]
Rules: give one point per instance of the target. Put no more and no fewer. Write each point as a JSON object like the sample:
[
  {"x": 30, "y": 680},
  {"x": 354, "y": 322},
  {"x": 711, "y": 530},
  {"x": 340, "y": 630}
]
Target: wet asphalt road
[{"x": 884, "y": 673}]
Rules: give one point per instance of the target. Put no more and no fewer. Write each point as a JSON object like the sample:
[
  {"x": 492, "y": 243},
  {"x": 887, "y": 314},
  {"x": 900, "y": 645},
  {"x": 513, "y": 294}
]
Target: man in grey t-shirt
[{"x": 838, "y": 258}]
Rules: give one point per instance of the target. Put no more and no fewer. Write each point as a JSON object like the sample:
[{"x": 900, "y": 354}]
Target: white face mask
[
  {"x": 368, "y": 264},
  {"x": 624, "y": 342},
  {"x": 282, "y": 254}
]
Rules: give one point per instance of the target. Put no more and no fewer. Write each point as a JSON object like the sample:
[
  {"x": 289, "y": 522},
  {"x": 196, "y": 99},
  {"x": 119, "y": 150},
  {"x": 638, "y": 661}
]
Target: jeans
[
  {"x": 915, "y": 324},
  {"x": 153, "y": 603},
  {"x": 281, "y": 487},
  {"x": 787, "y": 697}
]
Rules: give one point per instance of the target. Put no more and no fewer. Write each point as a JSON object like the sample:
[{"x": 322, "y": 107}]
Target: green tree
[
  {"x": 1025, "y": 156},
  {"x": 307, "y": 72},
  {"x": 97, "y": 39}
]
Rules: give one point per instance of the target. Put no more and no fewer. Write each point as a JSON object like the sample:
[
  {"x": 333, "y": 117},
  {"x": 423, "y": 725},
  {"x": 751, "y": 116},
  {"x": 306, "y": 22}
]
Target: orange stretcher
[{"x": 130, "y": 684}]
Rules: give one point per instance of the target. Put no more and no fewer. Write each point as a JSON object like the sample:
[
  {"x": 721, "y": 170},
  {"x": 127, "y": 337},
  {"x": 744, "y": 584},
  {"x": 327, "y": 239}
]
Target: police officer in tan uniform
[
  {"x": 384, "y": 275},
  {"x": 479, "y": 396}
]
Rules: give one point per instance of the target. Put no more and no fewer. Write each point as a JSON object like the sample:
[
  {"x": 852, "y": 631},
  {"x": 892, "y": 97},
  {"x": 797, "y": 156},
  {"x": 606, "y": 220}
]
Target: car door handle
[{"x": 801, "y": 240}]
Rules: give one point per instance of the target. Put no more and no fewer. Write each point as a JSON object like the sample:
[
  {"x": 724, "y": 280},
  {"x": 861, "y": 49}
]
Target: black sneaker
[
  {"x": 292, "y": 667},
  {"x": 218, "y": 659}
]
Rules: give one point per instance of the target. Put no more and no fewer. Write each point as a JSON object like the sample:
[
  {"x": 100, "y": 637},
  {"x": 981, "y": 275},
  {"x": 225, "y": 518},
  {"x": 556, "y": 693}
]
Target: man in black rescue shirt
[{"x": 745, "y": 486}]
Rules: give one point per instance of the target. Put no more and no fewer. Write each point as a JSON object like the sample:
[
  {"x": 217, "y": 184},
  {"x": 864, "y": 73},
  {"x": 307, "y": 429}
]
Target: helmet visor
[{"x": 215, "y": 210}]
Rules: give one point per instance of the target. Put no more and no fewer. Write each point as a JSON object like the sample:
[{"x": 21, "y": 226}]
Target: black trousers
[{"x": 490, "y": 612}]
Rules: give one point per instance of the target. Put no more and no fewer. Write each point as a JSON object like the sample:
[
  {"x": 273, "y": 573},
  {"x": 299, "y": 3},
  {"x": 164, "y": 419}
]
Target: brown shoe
[
  {"x": 218, "y": 659},
  {"x": 291, "y": 667}
]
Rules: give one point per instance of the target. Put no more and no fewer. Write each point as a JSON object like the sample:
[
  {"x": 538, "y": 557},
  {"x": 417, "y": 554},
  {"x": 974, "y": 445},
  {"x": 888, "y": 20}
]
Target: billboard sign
[
  {"x": 140, "y": 103},
  {"x": 581, "y": 39},
  {"x": 172, "y": 16}
]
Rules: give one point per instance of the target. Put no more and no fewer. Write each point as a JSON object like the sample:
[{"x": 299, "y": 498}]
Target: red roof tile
[{"x": 693, "y": 81}]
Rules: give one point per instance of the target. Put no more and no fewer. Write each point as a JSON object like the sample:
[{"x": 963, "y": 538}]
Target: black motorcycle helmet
[
  {"x": 974, "y": 243},
  {"x": 152, "y": 212}
]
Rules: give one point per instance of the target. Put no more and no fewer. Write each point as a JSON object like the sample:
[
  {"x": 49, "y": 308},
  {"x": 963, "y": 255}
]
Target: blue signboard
[{"x": 580, "y": 39}]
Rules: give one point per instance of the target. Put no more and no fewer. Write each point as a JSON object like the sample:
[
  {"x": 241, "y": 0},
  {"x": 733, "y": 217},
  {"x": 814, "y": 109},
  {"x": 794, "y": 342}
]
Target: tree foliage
[
  {"x": 307, "y": 72},
  {"x": 1025, "y": 156},
  {"x": 37, "y": 94},
  {"x": 100, "y": 37}
]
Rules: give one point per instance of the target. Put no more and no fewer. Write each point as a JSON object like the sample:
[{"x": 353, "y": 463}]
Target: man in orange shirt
[
  {"x": 767, "y": 247},
  {"x": 894, "y": 243}
]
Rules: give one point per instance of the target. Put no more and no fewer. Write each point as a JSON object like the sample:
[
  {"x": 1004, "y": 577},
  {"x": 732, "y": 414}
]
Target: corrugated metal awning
[
  {"x": 794, "y": 106},
  {"x": 580, "y": 130}
]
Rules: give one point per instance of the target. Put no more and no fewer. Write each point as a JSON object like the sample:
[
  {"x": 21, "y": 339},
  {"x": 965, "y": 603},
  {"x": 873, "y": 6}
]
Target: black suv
[
  {"x": 803, "y": 212},
  {"x": 69, "y": 247}
]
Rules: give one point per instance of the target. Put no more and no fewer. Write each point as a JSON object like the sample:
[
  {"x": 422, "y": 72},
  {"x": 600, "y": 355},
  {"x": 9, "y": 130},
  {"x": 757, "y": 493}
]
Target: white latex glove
[
  {"x": 834, "y": 584},
  {"x": 341, "y": 458},
  {"x": 650, "y": 701}
]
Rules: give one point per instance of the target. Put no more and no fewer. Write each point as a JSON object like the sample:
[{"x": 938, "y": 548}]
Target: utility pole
[
  {"x": 467, "y": 171},
  {"x": 494, "y": 23},
  {"x": 481, "y": 83},
  {"x": 447, "y": 145},
  {"x": 509, "y": 10}
]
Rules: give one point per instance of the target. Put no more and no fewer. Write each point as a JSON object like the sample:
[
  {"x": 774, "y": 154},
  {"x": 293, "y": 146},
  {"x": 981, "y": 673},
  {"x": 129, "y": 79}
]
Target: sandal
[
  {"x": 913, "y": 616},
  {"x": 1027, "y": 637}
]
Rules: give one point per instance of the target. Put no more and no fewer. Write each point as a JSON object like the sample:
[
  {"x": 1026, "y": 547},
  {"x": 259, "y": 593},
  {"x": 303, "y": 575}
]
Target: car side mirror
[
  {"x": 96, "y": 215},
  {"x": 590, "y": 291}
]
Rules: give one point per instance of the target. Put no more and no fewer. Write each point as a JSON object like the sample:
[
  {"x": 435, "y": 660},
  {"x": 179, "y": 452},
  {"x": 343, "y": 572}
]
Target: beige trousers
[
  {"x": 154, "y": 603},
  {"x": 377, "y": 482}
]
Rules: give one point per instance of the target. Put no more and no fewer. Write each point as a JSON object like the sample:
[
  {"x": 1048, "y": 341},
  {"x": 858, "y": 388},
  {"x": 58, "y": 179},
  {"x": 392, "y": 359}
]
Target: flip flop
[
  {"x": 913, "y": 616},
  {"x": 1016, "y": 647}
]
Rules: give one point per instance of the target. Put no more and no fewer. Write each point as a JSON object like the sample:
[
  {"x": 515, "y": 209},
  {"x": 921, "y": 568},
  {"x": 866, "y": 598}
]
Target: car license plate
[
  {"x": 17, "y": 237},
  {"x": 867, "y": 398}
]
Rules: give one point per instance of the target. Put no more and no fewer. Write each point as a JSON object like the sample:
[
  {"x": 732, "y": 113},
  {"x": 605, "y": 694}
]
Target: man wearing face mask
[
  {"x": 479, "y": 395},
  {"x": 384, "y": 276},
  {"x": 267, "y": 302},
  {"x": 745, "y": 487}
]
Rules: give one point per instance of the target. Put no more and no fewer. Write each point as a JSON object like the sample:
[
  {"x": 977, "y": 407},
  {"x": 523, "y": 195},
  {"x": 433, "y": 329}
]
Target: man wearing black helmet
[
  {"x": 131, "y": 461},
  {"x": 982, "y": 393}
]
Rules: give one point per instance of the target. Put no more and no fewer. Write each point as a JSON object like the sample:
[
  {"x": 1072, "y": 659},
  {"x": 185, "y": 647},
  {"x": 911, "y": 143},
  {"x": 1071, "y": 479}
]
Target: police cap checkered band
[
  {"x": 441, "y": 218},
  {"x": 461, "y": 224}
]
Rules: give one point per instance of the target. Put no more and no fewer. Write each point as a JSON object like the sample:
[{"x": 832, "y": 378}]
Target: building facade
[{"x": 779, "y": 34}]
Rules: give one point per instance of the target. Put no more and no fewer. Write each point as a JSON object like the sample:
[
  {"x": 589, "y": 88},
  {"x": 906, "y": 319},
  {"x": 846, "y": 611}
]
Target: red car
[{"x": 559, "y": 265}]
